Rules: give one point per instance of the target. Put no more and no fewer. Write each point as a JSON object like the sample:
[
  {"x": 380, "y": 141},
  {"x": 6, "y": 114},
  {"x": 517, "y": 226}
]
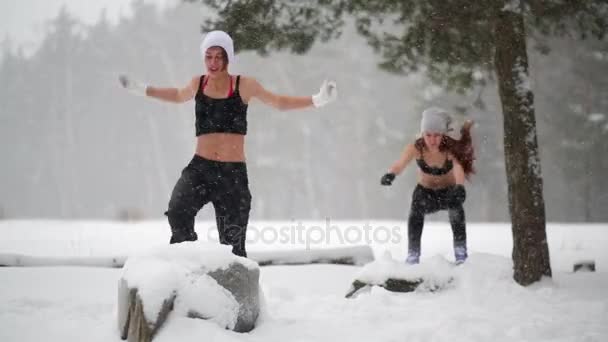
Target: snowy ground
[{"x": 305, "y": 303}]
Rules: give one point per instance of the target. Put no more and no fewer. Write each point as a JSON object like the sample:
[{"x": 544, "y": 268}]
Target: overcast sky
[{"x": 24, "y": 20}]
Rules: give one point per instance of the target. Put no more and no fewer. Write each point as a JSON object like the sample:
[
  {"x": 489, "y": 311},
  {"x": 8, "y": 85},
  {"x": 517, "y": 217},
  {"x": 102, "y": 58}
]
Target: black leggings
[
  {"x": 427, "y": 201},
  {"x": 225, "y": 184}
]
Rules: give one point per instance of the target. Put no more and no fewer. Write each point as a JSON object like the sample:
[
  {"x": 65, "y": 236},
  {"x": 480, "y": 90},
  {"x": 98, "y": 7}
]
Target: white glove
[
  {"x": 328, "y": 93},
  {"x": 132, "y": 86}
]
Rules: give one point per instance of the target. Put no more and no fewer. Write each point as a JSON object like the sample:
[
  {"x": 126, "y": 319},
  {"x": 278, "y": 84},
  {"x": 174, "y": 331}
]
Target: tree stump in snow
[
  {"x": 584, "y": 265},
  {"x": 398, "y": 277},
  {"x": 391, "y": 284},
  {"x": 241, "y": 283}
]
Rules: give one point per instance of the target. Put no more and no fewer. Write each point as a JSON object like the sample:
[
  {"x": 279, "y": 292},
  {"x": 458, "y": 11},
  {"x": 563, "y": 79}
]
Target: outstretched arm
[
  {"x": 177, "y": 95},
  {"x": 409, "y": 152},
  {"x": 251, "y": 88}
]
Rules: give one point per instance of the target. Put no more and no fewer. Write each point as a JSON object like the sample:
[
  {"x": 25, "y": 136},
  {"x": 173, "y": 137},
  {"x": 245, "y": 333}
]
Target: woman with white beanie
[
  {"x": 444, "y": 163},
  {"x": 217, "y": 173}
]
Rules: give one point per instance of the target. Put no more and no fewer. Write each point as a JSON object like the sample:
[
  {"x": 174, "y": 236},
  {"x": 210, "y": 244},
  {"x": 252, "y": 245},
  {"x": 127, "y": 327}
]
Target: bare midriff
[
  {"x": 436, "y": 182},
  {"x": 226, "y": 147}
]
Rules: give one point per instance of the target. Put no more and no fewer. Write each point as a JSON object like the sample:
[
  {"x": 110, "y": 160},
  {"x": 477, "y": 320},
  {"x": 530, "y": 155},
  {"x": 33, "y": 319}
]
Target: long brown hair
[{"x": 462, "y": 149}]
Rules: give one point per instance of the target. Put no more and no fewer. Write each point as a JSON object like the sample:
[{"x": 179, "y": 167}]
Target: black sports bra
[
  {"x": 433, "y": 170},
  {"x": 227, "y": 115}
]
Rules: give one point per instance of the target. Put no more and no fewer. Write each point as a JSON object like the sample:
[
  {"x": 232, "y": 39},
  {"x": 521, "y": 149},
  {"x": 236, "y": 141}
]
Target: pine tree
[{"x": 451, "y": 40}]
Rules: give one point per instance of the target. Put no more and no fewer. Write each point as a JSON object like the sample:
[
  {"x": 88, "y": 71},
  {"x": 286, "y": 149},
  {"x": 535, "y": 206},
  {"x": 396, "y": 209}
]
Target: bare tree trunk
[
  {"x": 526, "y": 203},
  {"x": 588, "y": 176}
]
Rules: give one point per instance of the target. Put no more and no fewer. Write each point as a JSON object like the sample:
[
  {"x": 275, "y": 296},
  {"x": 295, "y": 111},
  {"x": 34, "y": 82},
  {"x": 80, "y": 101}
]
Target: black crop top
[
  {"x": 433, "y": 170},
  {"x": 227, "y": 115}
]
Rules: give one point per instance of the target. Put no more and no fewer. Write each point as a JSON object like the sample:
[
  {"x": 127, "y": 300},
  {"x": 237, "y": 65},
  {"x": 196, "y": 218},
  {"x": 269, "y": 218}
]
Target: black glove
[
  {"x": 387, "y": 179},
  {"x": 458, "y": 194}
]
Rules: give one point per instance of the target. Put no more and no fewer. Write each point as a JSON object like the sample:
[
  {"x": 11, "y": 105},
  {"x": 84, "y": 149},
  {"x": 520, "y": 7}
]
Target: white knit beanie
[
  {"x": 435, "y": 120},
  {"x": 221, "y": 39}
]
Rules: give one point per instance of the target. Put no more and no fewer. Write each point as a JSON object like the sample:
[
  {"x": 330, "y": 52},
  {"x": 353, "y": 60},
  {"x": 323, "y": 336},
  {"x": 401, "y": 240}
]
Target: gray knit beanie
[{"x": 435, "y": 120}]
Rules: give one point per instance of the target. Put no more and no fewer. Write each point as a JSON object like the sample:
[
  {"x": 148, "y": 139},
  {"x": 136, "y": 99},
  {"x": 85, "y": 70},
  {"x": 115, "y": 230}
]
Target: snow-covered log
[
  {"x": 20, "y": 260},
  {"x": 355, "y": 255}
]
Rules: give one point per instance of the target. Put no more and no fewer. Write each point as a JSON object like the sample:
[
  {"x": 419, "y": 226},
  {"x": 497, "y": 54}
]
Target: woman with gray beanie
[
  {"x": 217, "y": 173},
  {"x": 444, "y": 163}
]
